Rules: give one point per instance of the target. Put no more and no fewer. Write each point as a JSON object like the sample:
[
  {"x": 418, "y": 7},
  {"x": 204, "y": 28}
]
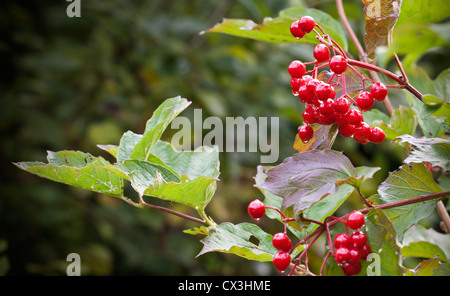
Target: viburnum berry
[
  {"x": 306, "y": 23},
  {"x": 341, "y": 105},
  {"x": 256, "y": 209},
  {"x": 352, "y": 269},
  {"x": 327, "y": 107},
  {"x": 377, "y": 135},
  {"x": 346, "y": 130},
  {"x": 324, "y": 91},
  {"x": 321, "y": 53},
  {"x": 308, "y": 117},
  {"x": 304, "y": 95},
  {"x": 281, "y": 260},
  {"x": 364, "y": 101},
  {"x": 354, "y": 256},
  {"x": 365, "y": 251},
  {"x": 342, "y": 240},
  {"x": 378, "y": 91},
  {"x": 305, "y": 132},
  {"x": 296, "y": 31},
  {"x": 355, "y": 220},
  {"x": 341, "y": 255},
  {"x": 326, "y": 119},
  {"x": 359, "y": 239},
  {"x": 338, "y": 64},
  {"x": 297, "y": 69},
  {"x": 354, "y": 117},
  {"x": 311, "y": 86},
  {"x": 282, "y": 242}
]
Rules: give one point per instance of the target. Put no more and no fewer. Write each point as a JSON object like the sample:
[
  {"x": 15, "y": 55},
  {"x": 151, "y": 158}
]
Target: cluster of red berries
[
  {"x": 280, "y": 241},
  {"x": 350, "y": 250},
  {"x": 322, "y": 106}
]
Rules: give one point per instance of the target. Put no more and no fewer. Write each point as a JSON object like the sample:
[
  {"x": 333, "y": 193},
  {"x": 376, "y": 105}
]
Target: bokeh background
[{"x": 73, "y": 83}]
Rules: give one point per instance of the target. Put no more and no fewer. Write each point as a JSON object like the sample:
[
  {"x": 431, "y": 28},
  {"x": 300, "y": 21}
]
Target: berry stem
[{"x": 389, "y": 74}]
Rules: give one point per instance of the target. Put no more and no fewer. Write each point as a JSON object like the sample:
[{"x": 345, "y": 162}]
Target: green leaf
[
  {"x": 203, "y": 161},
  {"x": 423, "y": 11},
  {"x": 78, "y": 169},
  {"x": 439, "y": 107},
  {"x": 111, "y": 149},
  {"x": 419, "y": 233},
  {"x": 306, "y": 178},
  {"x": 406, "y": 183},
  {"x": 423, "y": 249},
  {"x": 381, "y": 236},
  {"x": 403, "y": 121},
  {"x": 277, "y": 29},
  {"x": 235, "y": 239},
  {"x": 436, "y": 151},
  {"x": 425, "y": 268},
  {"x": 381, "y": 17}
]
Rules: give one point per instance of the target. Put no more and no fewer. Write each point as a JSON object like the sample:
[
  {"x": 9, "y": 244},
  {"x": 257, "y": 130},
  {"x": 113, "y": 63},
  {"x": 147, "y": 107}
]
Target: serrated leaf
[
  {"x": 235, "y": 239},
  {"x": 381, "y": 17},
  {"x": 406, "y": 183},
  {"x": 156, "y": 125},
  {"x": 419, "y": 233},
  {"x": 381, "y": 236},
  {"x": 436, "y": 151},
  {"x": 423, "y": 249},
  {"x": 277, "y": 29},
  {"x": 78, "y": 169},
  {"x": 306, "y": 178},
  {"x": 425, "y": 268}
]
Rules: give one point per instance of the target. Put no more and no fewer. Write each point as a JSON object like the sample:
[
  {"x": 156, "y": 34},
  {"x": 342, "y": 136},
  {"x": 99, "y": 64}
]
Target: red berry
[
  {"x": 362, "y": 132},
  {"x": 355, "y": 220},
  {"x": 256, "y": 209},
  {"x": 321, "y": 53},
  {"x": 346, "y": 130},
  {"x": 306, "y": 24},
  {"x": 327, "y": 119},
  {"x": 296, "y": 31},
  {"x": 352, "y": 269},
  {"x": 341, "y": 255},
  {"x": 297, "y": 69},
  {"x": 281, "y": 260},
  {"x": 364, "y": 101},
  {"x": 338, "y": 64},
  {"x": 354, "y": 117},
  {"x": 377, "y": 135},
  {"x": 304, "y": 95},
  {"x": 359, "y": 239},
  {"x": 305, "y": 132},
  {"x": 327, "y": 107},
  {"x": 324, "y": 91},
  {"x": 354, "y": 256},
  {"x": 378, "y": 91},
  {"x": 281, "y": 242},
  {"x": 342, "y": 105},
  {"x": 342, "y": 240},
  {"x": 365, "y": 251}
]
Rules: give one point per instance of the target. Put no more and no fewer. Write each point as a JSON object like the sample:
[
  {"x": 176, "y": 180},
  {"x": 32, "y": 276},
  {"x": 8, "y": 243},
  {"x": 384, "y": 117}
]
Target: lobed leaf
[
  {"x": 235, "y": 239},
  {"x": 306, "y": 178},
  {"x": 277, "y": 29},
  {"x": 78, "y": 169},
  {"x": 381, "y": 236},
  {"x": 436, "y": 151}
]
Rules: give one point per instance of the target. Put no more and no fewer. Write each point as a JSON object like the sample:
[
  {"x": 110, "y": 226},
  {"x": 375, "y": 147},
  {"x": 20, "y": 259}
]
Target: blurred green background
[{"x": 73, "y": 83}]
